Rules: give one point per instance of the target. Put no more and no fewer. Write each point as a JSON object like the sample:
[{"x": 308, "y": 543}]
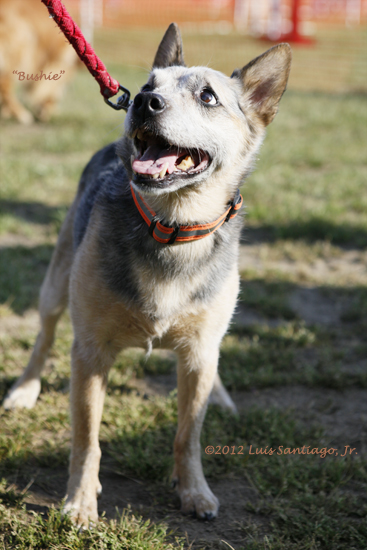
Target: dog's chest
[
  {"x": 164, "y": 298},
  {"x": 161, "y": 285}
]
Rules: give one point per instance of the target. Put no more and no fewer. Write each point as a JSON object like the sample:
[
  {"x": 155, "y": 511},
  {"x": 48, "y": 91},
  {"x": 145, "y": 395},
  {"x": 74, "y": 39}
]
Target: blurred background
[{"x": 222, "y": 32}]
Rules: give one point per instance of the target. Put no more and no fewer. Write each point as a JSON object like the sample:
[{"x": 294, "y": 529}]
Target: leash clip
[{"x": 123, "y": 102}]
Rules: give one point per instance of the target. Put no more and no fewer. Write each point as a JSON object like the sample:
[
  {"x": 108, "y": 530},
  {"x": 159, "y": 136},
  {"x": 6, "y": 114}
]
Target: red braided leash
[{"x": 108, "y": 85}]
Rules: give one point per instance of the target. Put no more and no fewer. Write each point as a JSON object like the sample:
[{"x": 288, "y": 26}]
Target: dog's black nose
[{"x": 148, "y": 104}]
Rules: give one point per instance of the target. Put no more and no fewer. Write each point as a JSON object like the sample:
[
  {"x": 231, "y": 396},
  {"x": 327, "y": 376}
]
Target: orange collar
[{"x": 182, "y": 233}]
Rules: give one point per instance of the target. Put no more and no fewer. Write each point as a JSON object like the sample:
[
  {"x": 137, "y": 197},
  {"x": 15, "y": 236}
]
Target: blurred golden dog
[{"x": 30, "y": 42}]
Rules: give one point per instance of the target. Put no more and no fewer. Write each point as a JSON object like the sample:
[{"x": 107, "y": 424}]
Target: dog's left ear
[
  {"x": 264, "y": 81},
  {"x": 169, "y": 51}
]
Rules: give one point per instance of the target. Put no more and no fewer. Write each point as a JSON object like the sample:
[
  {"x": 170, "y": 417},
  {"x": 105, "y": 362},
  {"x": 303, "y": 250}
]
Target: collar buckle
[{"x": 175, "y": 232}]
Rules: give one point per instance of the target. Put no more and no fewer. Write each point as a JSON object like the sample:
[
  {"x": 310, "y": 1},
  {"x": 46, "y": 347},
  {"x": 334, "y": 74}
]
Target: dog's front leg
[
  {"x": 195, "y": 378},
  {"x": 88, "y": 385}
]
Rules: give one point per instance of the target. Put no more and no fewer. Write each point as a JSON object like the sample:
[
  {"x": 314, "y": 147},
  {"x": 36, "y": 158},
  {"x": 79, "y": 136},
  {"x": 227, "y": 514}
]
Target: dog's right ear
[{"x": 169, "y": 51}]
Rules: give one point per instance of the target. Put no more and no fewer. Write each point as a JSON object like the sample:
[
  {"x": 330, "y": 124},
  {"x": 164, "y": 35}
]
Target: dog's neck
[
  {"x": 200, "y": 204},
  {"x": 182, "y": 232}
]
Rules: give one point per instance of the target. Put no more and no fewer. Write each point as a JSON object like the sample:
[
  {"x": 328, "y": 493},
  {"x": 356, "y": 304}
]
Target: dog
[
  {"x": 29, "y": 43},
  {"x": 148, "y": 253}
]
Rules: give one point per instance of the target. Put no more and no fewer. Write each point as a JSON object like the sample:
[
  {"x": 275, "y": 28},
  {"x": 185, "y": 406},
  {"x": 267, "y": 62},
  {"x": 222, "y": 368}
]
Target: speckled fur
[{"x": 126, "y": 289}]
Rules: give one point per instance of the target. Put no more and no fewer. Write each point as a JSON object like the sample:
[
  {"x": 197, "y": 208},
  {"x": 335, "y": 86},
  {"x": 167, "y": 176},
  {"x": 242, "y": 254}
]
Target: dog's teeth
[
  {"x": 162, "y": 173},
  {"x": 140, "y": 135},
  {"x": 186, "y": 163},
  {"x": 155, "y": 176},
  {"x": 134, "y": 133}
]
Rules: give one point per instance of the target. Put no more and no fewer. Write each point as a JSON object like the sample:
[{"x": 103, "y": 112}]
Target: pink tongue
[{"x": 155, "y": 158}]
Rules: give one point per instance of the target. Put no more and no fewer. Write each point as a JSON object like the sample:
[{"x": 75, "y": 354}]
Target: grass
[
  {"x": 306, "y": 208},
  {"x": 313, "y": 186},
  {"x": 55, "y": 532}
]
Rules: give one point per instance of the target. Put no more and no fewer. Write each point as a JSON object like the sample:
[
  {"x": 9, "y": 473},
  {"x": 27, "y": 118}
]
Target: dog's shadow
[
  {"x": 311, "y": 230},
  {"x": 22, "y": 269},
  {"x": 33, "y": 212}
]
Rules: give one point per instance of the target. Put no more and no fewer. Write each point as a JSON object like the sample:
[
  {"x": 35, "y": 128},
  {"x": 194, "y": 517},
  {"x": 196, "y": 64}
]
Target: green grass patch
[
  {"x": 357, "y": 309},
  {"x": 311, "y": 188},
  {"x": 311, "y": 523},
  {"x": 134, "y": 362},
  {"x": 262, "y": 356},
  {"x": 22, "y": 531},
  {"x": 269, "y": 299}
]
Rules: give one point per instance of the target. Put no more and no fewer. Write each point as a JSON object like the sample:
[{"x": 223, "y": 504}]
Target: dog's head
[{"x": 189, "y": 123}]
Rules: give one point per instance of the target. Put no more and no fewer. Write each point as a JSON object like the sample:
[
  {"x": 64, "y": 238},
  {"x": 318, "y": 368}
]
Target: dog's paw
[
  {"x": 82, "y": 511},
  {"x": 25, "y": 117},
  {"x": 200, "y": 502},
  {"x": 23, "y": 396},
  {"x": 21, "y": 114},
  {"x": 81, "y": 500}
]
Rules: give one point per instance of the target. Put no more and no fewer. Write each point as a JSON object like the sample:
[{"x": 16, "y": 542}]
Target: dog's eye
[{"x": 208, "y": 97}]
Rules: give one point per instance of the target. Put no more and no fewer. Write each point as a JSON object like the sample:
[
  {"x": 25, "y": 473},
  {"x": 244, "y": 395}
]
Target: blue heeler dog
[{"x": 147, "y": 255}]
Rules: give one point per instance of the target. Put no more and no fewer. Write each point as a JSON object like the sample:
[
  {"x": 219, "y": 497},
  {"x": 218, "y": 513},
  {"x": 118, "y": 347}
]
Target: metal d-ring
[{"x": 123, "y": 102}]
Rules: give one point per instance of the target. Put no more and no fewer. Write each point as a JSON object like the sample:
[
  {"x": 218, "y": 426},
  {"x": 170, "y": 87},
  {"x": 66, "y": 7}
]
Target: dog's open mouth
[{"x": 161, "y": 162}]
